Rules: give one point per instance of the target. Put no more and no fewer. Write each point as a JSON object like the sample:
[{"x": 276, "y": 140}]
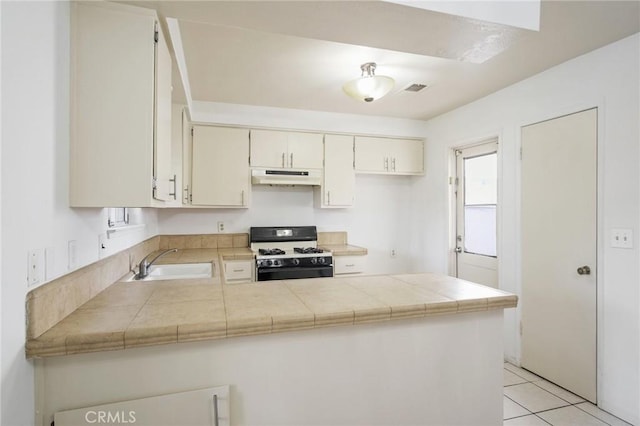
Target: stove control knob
[
  {"x": 314, "y": 260},
  {"x": 276, "y": 262},
  {"x": 321, "y": 260},
  {"x": 295, "y": 261},
  {"x": 269, "y": 262}
]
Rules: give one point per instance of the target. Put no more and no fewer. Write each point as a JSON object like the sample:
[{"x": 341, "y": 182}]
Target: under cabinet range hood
[{"x": 285, "y": 177}]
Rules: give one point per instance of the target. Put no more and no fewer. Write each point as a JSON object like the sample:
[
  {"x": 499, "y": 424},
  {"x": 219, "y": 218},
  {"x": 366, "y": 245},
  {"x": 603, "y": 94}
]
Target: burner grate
[
  {"x": 306, "y": 250},
  {"x": 271, "y": 252}
]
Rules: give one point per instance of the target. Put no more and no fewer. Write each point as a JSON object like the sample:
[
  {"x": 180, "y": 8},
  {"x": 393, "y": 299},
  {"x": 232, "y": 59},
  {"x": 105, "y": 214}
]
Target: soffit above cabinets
[{"x": 298, "y": 54}]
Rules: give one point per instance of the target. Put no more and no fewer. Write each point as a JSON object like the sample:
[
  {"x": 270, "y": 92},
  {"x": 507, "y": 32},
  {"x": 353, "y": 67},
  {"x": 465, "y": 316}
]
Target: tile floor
[{"x": 530, "y": 400}]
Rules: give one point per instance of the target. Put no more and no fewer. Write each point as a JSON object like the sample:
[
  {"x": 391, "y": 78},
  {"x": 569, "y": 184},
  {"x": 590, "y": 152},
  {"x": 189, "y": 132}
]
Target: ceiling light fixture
[{"x": 369, "y": 86}]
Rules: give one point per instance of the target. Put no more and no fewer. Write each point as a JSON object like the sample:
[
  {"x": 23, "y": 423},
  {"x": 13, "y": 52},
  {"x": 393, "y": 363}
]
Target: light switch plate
[
  {"x": 35, "y": 265},
  {"x": 622, "y": 238}
]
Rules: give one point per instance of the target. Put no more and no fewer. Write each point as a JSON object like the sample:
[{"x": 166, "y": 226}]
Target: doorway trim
[{"x": 538, "y": 117}]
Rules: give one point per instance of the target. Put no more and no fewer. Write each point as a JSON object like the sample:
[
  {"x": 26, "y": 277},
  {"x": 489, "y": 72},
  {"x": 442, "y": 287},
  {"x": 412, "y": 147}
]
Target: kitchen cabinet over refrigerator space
[{"x": 120, "y": 108}]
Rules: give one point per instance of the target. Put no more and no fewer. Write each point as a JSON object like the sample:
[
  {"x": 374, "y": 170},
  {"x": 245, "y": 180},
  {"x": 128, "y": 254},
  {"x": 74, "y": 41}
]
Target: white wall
[
  {"x": 35, "y": 145},
  {"x": 609, "y": 79},
  {"x": 381, "y": 219}
]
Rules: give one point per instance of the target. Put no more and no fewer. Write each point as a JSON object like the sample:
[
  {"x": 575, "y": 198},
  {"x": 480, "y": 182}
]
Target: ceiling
[{"x": 298, "y": 54}]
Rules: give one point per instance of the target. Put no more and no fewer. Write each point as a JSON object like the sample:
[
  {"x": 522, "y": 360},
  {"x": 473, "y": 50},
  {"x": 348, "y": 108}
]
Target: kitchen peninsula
[{"x": 345, "y": 350}]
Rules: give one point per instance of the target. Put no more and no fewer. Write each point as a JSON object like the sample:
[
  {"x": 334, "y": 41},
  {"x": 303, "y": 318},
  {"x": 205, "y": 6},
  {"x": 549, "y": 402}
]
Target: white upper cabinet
[
  {"x": 220, "y": 174},
  {"x": 389, "y": 156},
  {"x": 286, "y": 150},
  {"x": 120, "y": 107},
  {"x": 338, "y": 183},
  {"x": 305, "y": 150},
  {"x": 165, "y": 179},
  {"x": 407, "y": 157}
]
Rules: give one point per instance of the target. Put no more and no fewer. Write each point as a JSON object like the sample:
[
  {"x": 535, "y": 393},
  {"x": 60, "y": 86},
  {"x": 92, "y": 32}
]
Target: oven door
[{"x": 290, "y": 273}]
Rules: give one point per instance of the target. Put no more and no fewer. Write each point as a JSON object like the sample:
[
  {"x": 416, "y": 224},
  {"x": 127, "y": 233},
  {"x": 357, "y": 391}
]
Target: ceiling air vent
[{"x": 415, "y": 87}]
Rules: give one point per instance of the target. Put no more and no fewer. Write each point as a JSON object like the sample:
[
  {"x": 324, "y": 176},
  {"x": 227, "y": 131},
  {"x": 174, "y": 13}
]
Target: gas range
[{"x": 289, "y": 253}]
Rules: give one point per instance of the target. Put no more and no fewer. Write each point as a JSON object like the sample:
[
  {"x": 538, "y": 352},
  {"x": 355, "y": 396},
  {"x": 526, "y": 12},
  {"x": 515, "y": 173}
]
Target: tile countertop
[
  {"x": 344, "y": 249},
  {"x": 133, "y": 314}
]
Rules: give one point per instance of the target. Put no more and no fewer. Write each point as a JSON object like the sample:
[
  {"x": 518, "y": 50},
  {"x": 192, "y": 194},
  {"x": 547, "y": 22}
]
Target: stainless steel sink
[{"x": 177, "y": 271}]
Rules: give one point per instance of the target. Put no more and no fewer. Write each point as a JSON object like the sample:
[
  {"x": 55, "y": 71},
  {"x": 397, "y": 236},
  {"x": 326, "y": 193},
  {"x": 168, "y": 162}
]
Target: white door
[
  {"x": 477, "y": 213},
  {"x": 559, "y": 251}
]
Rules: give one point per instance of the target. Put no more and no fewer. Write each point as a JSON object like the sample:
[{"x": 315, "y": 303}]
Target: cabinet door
[
  {"x": 112, "y": 105},
  {"x": 349, "y": 264},
  {"x": 187, "y": 147},
  {"x": 371, "y": 154},
  {"x": 165, "y": 185},
  {"x": 304, "y": 150},
  {"x": 220, "y": 170},
  {"x": 269, "y": 149},
  {"x": 238, "y": 271},
  {"x": 407, "y": 156},
  {"x": 200, "y": 407},
  {"x": 339, "y": 177}
]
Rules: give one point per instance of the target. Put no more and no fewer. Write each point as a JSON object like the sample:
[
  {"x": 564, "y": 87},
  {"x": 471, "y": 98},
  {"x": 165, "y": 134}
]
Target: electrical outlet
[
  {"x": 622, "y": 238},
  {"x": 393, "y": 253},
  {"x": 35, "y": 265},
  {"x": 220, "y": 226}
]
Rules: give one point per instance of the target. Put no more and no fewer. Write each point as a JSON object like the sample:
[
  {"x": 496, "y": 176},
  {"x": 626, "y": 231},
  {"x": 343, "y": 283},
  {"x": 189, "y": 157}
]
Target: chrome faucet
[{"x": 143, "y": 268}]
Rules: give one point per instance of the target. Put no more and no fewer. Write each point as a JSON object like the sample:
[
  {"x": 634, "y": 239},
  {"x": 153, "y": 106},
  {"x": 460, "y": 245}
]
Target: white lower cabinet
[
  {"x": 349, "y": 264},
  {"x": 238, "y": 271},
  {"x": 209, "y": 406}
]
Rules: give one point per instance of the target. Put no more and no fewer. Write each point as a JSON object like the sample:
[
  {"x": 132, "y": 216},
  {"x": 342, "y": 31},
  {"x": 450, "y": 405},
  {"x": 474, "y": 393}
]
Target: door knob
[
  {"x": 458, "y": 249},
  {"x": 584, "y": 270}
]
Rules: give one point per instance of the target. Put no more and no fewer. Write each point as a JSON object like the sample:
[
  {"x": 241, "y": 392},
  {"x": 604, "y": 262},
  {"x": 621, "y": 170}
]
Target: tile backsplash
[
  {"x": 212, "y": 241},
  {"x": 332, "y": 238},
  {"x": 52, "y": 302}
]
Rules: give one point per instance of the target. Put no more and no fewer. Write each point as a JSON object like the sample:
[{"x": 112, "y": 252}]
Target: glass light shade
[{"x": 369, "y": 88}]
